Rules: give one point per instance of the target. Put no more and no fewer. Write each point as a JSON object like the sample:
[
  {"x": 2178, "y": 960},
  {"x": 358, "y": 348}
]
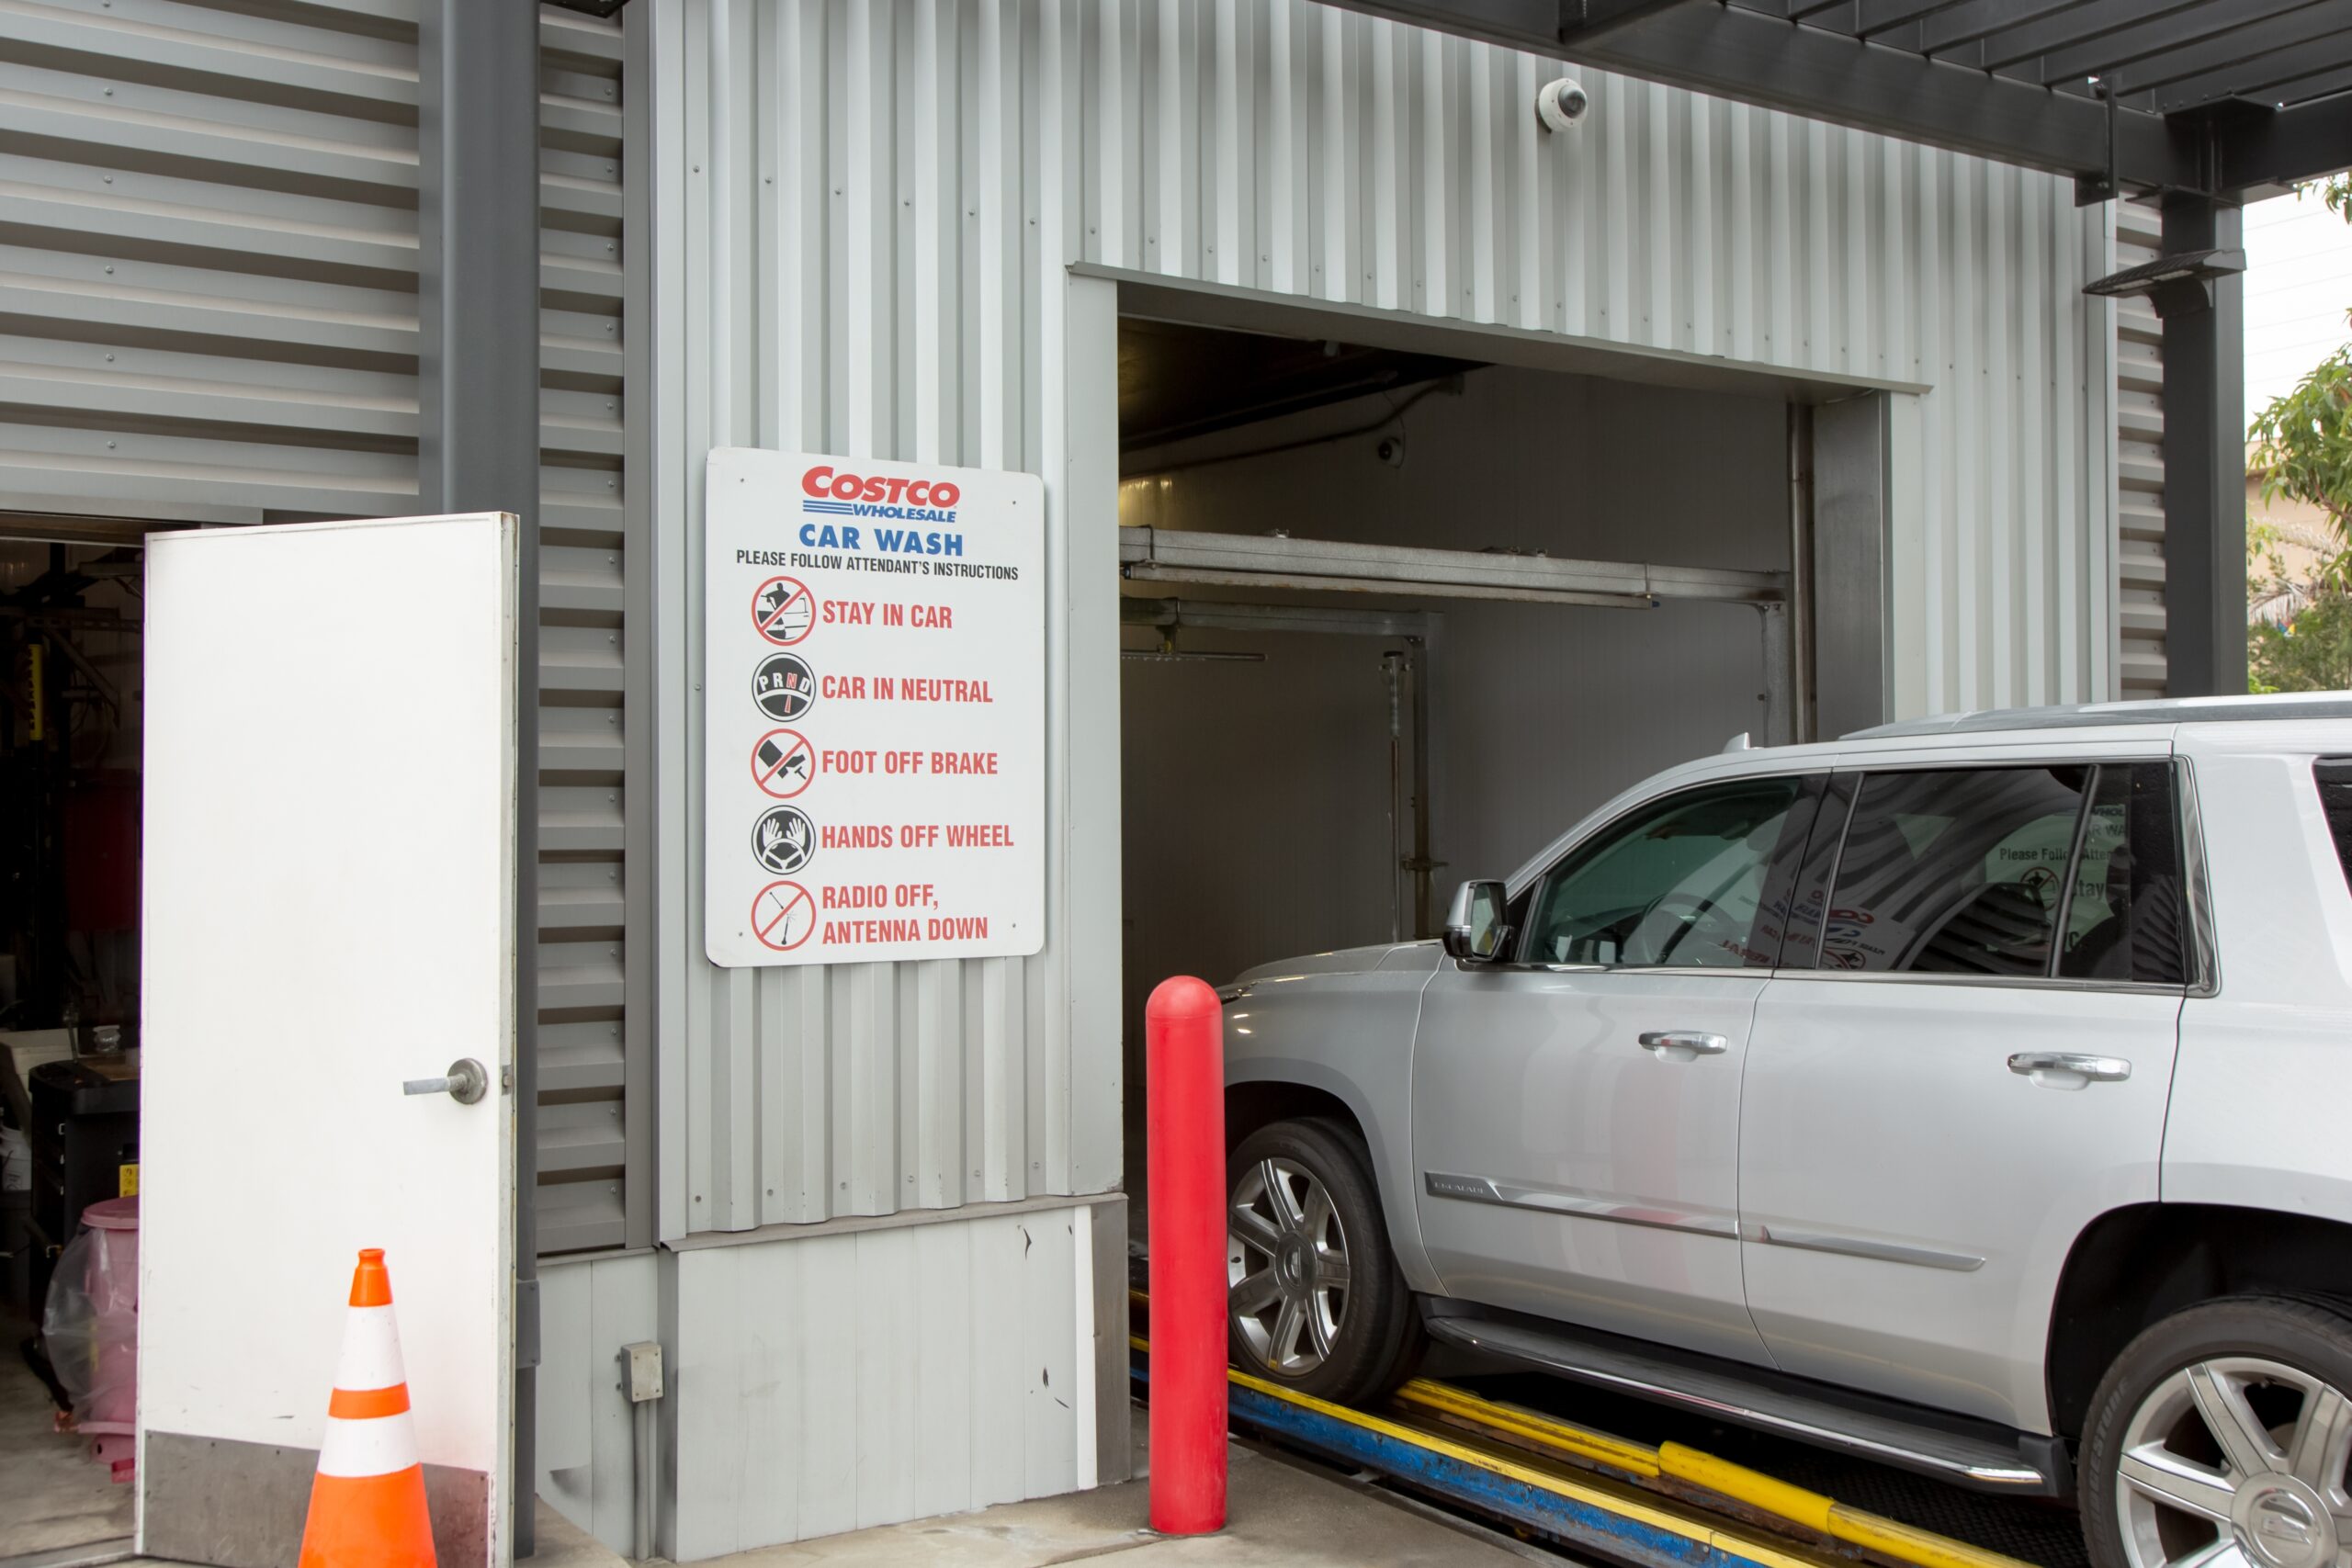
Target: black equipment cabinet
[{"x": 84, "y": 1132}]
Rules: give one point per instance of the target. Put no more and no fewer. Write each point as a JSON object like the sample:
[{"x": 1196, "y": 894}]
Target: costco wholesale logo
[{"x": 834, "y": 494}]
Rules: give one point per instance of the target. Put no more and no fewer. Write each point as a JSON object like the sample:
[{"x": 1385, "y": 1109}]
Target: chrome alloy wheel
[
  {"x": 2237, "y": 1462},
  {"x": 1285, "y": 1266}
]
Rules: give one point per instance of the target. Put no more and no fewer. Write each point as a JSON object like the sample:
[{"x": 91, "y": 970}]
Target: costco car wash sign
[{"x": 874, "y": 711}]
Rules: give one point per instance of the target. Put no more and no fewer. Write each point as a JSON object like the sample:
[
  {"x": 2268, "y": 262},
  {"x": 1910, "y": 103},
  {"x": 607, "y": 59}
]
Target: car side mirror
[{"x": 1474, "y": 931}]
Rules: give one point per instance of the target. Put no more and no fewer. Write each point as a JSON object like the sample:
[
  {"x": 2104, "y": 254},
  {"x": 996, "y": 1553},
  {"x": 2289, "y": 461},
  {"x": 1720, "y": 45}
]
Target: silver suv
[{"x": 1969, "y": 1093}]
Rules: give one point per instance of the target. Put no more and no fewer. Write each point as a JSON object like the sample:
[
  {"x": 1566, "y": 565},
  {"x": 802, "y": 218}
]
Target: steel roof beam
[
  {"x": 1586, "y": 19},
  {"x": 1984, "y": 20},
  {"x": 2302, "y": 32},
  {"x": 1532, "y": 25},
  {"x": 1743, "y": 53},
  {"x": 2262, "y": 78},
  {"x": 2078, "y": 25},
  {"x": 2214, "y": 24},
  {"x": 1885, "y": 15},
  {"x": 2319, "y": 84},
  {"x": 2290, "y": 146},
  {"x": 1806, "y": 71}
]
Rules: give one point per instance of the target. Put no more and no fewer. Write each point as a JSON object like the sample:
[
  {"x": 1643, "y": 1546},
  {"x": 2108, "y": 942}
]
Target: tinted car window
[
  {"x": 1804, "y": 906},
  {"x": 1957, "y": 872},
  {"x": 2125, "y": 916},
  {"x": 2334, "y": 776},
  {"x": 1678, "y": 883}
]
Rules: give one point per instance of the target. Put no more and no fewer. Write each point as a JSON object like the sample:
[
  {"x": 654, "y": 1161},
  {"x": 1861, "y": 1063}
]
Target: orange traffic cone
[{"x": 367, "y": 1500}]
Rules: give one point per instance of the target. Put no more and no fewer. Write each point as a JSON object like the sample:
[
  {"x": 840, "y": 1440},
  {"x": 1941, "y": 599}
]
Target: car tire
[
  {"x": 2240, "y": 1409},
  {"x": 1315, "y": 1301}
]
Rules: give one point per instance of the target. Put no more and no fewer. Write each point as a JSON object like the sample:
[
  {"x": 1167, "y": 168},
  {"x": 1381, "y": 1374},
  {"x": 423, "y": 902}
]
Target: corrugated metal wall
[
  {"x": 2140, "y": 463},
  {"x": 875, "y": 208},
  {"x": 895, "y": 1372},
  {"x": 596, "y": 1029},
  {"x": 586, "y": 1442},
  {"x": 207, "y": 313}
]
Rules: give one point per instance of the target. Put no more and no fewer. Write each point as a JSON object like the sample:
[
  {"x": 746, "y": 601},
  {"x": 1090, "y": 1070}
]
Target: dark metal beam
[
  {"x": 1529, "y": 25},
  {"x": 1884, "y": 16},
  {"x": 2290, "y": 146},
  {"x": 1583, "y": 20},
  {"x": 1744, "y": 51},
  {"x": 2320, "y": 85},
  {"x": 2314, "y": 30},
  {"x": 478, "y": 406},
  {"x": 2215, "y": 24},
  {"x": 2080, "y": 24},
  {"x": 2204, "y": 449},
  {"x": 2262, "y": 78},
  {"x": 1981, "y": 20},
  {"x": 1739, "y": 54}
]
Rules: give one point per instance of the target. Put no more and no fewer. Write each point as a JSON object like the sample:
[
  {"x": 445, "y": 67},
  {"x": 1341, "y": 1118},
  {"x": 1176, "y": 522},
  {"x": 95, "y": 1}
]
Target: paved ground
[
  {"x": 49, "y": 1494},
  {"x": 1278, "y": 1513}
]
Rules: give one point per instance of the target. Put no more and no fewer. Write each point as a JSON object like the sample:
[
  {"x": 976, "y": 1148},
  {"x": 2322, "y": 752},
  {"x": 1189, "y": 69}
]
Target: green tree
[
  {"x": 2310, "y": 653},
  {"x": 2302, "y": 639}
]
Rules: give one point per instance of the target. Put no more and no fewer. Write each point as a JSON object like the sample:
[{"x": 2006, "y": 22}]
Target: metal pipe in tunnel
[
  {"x": 1392, "y": 666},
  {"x": 1795, "y": 654},
  {"x": 1417, "y": 668}
]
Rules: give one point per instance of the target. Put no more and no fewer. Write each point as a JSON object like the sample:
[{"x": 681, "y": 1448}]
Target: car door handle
[
  {"x": 2068, "y": 1069},
  {"x": 1683, "y": 1045}
]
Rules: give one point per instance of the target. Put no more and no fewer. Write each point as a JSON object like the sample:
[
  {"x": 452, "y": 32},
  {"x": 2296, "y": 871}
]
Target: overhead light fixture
[{"x": 2178, "y": 285}]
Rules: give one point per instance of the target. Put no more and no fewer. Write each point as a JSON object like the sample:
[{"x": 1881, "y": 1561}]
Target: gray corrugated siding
[
  {"x": 870, "y": 212},
  {"x": 846, "y": 1381},
  {"x": 2140, "y": 463},
  {"x": 207, "y": 313}
]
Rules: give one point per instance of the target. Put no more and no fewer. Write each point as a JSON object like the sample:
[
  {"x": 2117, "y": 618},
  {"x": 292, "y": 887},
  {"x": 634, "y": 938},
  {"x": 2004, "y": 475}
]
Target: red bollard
[{"x": 1184, "y": 1136}]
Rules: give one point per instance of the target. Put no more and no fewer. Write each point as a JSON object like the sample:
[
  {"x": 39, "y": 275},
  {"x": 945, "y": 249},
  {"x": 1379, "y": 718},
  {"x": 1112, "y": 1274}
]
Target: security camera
[
  {"x": 1560, "y": 104},
  {"x": 1391, "y": 451}
]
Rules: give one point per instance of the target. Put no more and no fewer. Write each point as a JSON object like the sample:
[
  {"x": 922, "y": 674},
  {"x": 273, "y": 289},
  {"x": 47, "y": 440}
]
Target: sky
[{"x": 2298, "y": 287}]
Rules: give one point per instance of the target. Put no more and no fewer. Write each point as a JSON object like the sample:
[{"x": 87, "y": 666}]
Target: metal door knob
[{"x": 464, "y": 1083}]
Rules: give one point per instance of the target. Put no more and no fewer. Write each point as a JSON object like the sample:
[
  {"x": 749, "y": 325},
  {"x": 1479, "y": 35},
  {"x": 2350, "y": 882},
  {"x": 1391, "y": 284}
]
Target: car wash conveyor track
[{"x": 1667, "y": 1507}]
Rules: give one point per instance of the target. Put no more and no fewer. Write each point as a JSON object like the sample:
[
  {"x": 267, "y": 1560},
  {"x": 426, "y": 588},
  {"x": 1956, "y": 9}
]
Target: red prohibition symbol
[
  {"x": 784, "y": 915},
  {"x": 783, "y": 610},
  {"x": 784, "y": 763}
]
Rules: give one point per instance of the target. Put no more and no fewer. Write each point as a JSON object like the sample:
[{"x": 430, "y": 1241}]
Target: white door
[
  {"x": 1930, "y": 1124},
  {"x": 329, "y": 911},
  {"x": 1576, "y": 1112}
]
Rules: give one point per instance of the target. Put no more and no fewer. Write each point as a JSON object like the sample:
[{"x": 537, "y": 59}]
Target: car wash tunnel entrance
[{"x": 1396, "y": 618}]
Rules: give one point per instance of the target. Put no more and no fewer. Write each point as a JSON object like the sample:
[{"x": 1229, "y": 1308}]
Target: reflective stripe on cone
[{"x": 367, "y": 1505}]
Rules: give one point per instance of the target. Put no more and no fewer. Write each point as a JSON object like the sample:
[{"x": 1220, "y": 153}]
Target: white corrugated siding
[
  {"x": 870, "y": 211},
  {"x": 207, "y": 313}
]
